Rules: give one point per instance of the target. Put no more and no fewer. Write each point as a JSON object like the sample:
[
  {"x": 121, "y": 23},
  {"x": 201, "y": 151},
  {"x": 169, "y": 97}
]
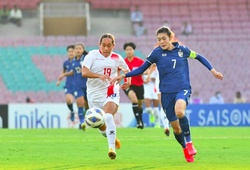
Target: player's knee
[
  {"x": 80, "y": 103},
  {"x": 133, "y": 98},
  {"x": 179, "y": 113},
  {"x": 177, "y": 130}
]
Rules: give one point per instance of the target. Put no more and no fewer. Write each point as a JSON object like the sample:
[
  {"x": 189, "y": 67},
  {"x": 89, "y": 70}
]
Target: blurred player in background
[
  {"x": 162, "y": 114},
  {"x": 171, "y": 60},
  {"x": 68, "y": 87},
  {"x": 99, "y": 67},
  {"x": 135, "y": 91},
  {"x": 79, "y": 82},
  {"x": 150, "y": 97}
]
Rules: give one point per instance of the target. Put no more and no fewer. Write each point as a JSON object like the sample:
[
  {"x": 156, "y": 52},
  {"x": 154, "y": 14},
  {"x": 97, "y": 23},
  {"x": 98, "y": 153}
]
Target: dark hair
[
  {"x": 108, "y": 35},
  {"x": 80, "y": 43},
  {"x": 164, "y": 29},
  {"x": 70, "y": 46},
  {"x": 238, "y": 94},
  {"x": 131, "y": 44}
]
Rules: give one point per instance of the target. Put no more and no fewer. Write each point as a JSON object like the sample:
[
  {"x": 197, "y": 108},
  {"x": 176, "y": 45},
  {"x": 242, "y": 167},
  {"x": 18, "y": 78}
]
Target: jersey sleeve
[
  {"x": 122, "y": 64},
  {"x": 200, "y": 58},
  {"x": 88, "y": 60},
  {"x": 188, "y": 53},
  {"x": 152, "y": 57}
]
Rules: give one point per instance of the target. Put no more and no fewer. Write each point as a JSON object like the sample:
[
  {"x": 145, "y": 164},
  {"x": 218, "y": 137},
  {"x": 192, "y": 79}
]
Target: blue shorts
[
  {"x": 69, "y": 90},
  {"x": 79, "y": 92},
  {"x": 168, "y": 102}
]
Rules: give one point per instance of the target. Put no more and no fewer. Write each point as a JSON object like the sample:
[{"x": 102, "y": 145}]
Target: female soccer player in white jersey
[
  {"x": 171, "y": 60},
  {"x": 151, "y": 98},
  {"x": 99, "y": 67},
  {"x": 161, "y": 113}
]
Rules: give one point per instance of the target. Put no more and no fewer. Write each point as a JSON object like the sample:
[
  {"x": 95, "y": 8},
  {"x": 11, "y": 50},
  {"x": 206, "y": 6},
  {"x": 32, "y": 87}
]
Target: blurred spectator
[
  {"x": 195, "y": 99},
  {"x": 186, "y": 28},
  {"x": 140, "y": 30},
  {"x": 16, "y": 16},
  {"x": 28, "y": 100},
  {"x": 166, "y": 24},
  {"x": 217, "y": 98},
  {"x": 136, "y": 18},
  {"x": 239, "y": 98},
  {"x": 4, "y": 15}
]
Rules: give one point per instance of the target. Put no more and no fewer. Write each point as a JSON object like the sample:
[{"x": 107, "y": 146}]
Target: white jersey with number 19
[{"x": 97, "y": 90}]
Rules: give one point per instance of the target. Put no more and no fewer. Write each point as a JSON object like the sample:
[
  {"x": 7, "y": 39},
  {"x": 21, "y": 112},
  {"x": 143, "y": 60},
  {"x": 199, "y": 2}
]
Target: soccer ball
[{"x": 94, "y": 117}]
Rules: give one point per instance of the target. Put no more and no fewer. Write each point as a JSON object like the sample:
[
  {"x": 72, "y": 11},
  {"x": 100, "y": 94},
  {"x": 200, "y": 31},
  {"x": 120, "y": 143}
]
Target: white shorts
[
  {"x": 150, "y": 92},
  {"x": 157, "y": 82},
  {"x": 115, "y": 98}
]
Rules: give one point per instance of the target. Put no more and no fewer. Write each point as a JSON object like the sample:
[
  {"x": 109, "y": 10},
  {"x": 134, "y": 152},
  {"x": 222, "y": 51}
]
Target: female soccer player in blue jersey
[
  {"x": 171, "y": 60},
  {"x": 68, "y": 87},
  {"x": 79, "y": 82}
]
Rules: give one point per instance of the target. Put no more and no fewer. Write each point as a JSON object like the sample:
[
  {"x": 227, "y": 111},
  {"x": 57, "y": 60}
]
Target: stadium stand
[
  {"x": 221, "y": 33},
  {"x": 22, "y": 4}
]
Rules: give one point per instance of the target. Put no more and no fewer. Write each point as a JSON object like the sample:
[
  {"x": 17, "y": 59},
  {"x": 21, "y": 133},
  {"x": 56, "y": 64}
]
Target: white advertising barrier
[{"x": 57, "y": 116}]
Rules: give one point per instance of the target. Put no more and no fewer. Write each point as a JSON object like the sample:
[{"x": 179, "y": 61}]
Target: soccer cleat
[
  {"x": 157, "y": 125},
  {"x": 117, "y": 143},
  {"x": 191, "y": 149},
  {"x": 140, "y": 125},
  {"x": 189, "y": 158},
  {"x": 72, "y": 116},
  {"x": 167, "y": 132},
  {"x": 82, "y": 126},
  {"x": 111, "y": 154},
  {"x": 152, "y": 118}
]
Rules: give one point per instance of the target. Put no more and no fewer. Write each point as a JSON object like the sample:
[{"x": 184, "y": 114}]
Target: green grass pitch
[{"x": 218, "y": 148}]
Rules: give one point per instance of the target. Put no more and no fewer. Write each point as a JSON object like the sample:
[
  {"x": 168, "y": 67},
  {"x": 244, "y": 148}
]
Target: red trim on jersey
[
  {"x": 110, "y": 90},
  {"x": 133, "y": 64},
  {"x": 114, "y": 56}
]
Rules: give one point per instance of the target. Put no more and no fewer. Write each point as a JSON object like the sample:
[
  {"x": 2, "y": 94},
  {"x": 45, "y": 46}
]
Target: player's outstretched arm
[
  {"x": 118, "y": 79},
  {"x": 206, "y": 63},
  {"x": 70, "y": 73},
  {"x": 135, "y": 72},
  {"x": 217, "y": 74},
  {"x": 127, "y": 81},
  {"x": 60, "y": 78}
]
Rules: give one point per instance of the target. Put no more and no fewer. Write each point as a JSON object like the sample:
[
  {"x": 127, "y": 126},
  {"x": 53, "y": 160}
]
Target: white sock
[
  {"x": 157, "y": 116},
  {"x": 149, "y": 110},
  {"x": 110, "y": 130},
  {"x": 103, "y": 133},
  {"x": 164, "y": 119}
]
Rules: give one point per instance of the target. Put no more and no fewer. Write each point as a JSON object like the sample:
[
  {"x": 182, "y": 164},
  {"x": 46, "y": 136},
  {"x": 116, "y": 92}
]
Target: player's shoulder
[
  {"x": 138, "y": 58},
  {"x": 183, "y": 48},
  {"x": 156, "y": 51},
  {"x": 66, "y": 61},
  {"x": 93, "y": 52},
  {"x": 115, "y": 56},
  {"x": 74, "y": 60}
]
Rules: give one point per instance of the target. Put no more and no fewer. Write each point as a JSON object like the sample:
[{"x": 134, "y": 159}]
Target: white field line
[{"x": 24, "y": 139}]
